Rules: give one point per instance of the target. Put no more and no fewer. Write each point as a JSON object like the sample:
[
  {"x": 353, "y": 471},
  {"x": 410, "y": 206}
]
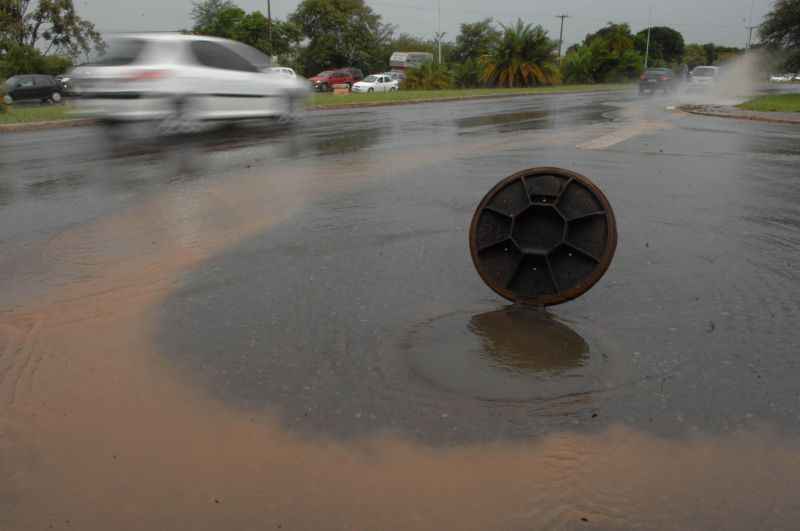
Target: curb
[
  {"x": 38, "y": 126},
  {"x": 761, "y": 117},
  {"x": 451, "y": 99}
]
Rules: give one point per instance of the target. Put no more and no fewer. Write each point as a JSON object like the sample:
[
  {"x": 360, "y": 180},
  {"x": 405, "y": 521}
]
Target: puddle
[{"x": 514, "y": 354}]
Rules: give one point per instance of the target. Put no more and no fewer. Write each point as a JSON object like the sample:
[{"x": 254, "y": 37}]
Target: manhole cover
[{"x": 543, "y": 236}]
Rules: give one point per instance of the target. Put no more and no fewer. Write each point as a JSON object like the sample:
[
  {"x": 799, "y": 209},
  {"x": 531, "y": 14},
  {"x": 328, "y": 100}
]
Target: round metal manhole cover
[{"x": 543, "y": 236}]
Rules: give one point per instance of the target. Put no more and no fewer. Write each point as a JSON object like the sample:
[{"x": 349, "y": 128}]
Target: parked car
[
  {"x": 325, "y": 81},
  {"x": 655, "y": 79},
  {"x": 397, "y": 75},
  {"x": 282, "y": 71},
  {"x": 32, "y": 87},
  {"x": 378, "y": 83},
  {"x": 703, "y": 77},
  {"x": 183, "y": 78}
]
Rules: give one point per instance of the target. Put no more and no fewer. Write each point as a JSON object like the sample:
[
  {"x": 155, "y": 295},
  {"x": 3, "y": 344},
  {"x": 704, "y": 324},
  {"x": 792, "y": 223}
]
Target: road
[{"x": 282, "y": 327}]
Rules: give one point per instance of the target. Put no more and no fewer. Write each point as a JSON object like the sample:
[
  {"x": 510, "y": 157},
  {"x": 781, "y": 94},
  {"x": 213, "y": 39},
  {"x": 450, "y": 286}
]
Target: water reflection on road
[{"x": 284, "y": 330}]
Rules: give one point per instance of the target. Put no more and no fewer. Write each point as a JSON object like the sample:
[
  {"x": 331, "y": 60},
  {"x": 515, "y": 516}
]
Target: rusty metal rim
[{"x": 604, "y": 262}]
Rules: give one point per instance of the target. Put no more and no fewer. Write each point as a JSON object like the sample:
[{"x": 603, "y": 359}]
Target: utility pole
[
  {"x": 750, "y": 26},
  {"x": 750, "y": 36},
  {"x": 269, "y": 26},
  {"x": 439, "y": 33},
  {"x": 439, "y": 36},
  {"x": 561, "y": 37},
  {"x": 649, "y": 30}
]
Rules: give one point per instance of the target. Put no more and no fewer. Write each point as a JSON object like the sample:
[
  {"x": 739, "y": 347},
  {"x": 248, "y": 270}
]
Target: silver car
[{"x": 185, "y": 78}]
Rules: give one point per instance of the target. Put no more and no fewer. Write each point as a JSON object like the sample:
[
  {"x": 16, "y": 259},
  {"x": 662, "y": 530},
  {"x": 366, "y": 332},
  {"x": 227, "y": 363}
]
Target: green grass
[
  {"x": 780, "y": 103},
  {"x": 34, "y": 113},
  {"x": 409, "y": 96}
]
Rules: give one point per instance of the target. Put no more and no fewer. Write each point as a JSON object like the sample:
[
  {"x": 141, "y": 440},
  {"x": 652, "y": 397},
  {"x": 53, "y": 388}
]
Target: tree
[
  {"x": 221, "y": 19},
  {"x": 524, "y": 56},
  {"x": 666, "y": 45},
  {"x": 205, "y": 12},
  {"x": 50, "y": 25},
  {"x": 694, "y": 55},
  {"x": 23, "y": 59},
  {"x": 781, "y": 30},
  {"x": 341, "y": 33},
  {"x": 711, "y": 53},
  {"x": 606, "y": 56},
  {"x": 475, "y": 41}
]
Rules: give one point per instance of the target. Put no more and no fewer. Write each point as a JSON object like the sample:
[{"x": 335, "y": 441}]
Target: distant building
[{"x": 400, "y": 61}]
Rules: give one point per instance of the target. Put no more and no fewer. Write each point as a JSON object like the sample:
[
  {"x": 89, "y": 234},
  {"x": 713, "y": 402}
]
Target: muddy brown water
[{"x": 292, "y": 336}]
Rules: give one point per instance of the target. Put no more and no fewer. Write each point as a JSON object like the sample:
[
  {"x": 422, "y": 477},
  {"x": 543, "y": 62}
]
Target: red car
[{"x": 324, "y": 81}]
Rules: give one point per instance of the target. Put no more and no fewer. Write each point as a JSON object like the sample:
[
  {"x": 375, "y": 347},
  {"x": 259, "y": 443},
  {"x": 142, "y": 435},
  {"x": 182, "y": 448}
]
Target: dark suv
[
  {"x": 658, "y": 79},
  {"x": 33, "y": 87},
  {"x": 324, "y": 81}
]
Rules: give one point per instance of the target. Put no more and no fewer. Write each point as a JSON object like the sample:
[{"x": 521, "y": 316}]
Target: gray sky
[{"x": 720, "y": 21}]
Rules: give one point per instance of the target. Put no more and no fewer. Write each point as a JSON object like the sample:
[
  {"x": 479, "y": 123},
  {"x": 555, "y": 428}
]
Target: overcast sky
[{"x": 720, "y": 21}]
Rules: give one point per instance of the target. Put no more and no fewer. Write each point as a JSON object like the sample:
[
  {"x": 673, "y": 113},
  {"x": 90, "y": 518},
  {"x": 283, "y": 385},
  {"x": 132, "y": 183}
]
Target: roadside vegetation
[
  {"x": 414, "y": 96},
  {"x": 22, "y": 114},
  {"x": 778, "y": 103}
]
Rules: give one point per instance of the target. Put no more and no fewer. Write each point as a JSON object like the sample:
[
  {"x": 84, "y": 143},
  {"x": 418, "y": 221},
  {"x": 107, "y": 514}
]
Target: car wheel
[
  {"x": 7, "y": 99},
  {"x": 324, "y": 87},
  {"x": 393, "y": 89},
  {"x": 56, "y": 97},
  {"x": 371, "y": 90}
]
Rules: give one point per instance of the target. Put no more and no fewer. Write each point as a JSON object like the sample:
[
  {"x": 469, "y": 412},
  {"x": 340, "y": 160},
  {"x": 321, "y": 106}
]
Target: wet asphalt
[{"x": 360, "y": 313}]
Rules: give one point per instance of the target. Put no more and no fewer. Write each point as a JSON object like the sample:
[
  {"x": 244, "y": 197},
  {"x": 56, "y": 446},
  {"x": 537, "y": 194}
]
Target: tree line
[
  {"x": 326, "y": 34},
  {"x": 48, "y": 36}
]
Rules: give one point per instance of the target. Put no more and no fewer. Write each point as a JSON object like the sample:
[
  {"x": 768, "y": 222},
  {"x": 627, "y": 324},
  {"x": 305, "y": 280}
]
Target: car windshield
[
  {"x": 326, "y": 73},
  {"x": 704, "y": 72},
  {"x": 371, "y": 79}
]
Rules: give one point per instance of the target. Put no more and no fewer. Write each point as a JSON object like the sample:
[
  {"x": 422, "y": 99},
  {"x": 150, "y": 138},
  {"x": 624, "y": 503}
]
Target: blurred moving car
[
  {"x": 325, "y": 81},
  {"x": 282, "y": 71},
  {"x": 183, "y": 78},
  {"x": 655, "y": 79},
  {"x": 32, "y": 87},
  {"x": 378, "y": 83},
  {"x": 703, "y": 77}
]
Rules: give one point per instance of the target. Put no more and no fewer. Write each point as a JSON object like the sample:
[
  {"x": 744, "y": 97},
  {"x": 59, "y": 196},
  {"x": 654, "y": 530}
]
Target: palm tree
[{"x": 524, "y": 56}]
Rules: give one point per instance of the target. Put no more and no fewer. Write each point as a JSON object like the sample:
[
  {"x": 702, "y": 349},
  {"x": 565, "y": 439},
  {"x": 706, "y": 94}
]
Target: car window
[
  {"x": 250, "y": 54},
  {"x": 122, "y": 52},
  {"x": 214, "y": 55},
  {"x": 371, "y": 79},
  {"x": 43, "y": 81},
  {"x": 25, "y": 82}
]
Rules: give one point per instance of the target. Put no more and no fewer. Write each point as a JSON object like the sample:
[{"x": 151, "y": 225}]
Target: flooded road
[{"x": 282, "y": 328}]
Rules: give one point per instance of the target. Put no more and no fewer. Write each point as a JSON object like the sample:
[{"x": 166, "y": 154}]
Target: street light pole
[
  {"x": 269, "y": 26},
  {"x": 439, "y": 33},
  {"x": 649, "y": 30}
]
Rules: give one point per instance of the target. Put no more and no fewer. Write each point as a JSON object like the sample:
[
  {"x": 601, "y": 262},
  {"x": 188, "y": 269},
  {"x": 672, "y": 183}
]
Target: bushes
[
  {"x": 429, "y": 76},
  {"x": 21, "y": 59}
]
